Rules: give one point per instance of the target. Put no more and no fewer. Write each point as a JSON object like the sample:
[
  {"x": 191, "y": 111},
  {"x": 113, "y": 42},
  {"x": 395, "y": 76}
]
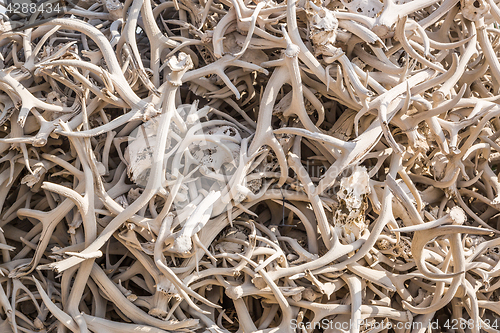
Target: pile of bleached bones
[{"x": 246, "y": 166}]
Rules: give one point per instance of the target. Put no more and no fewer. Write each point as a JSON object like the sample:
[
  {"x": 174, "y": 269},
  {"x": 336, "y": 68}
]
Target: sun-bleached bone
[
  {"x": 238, "y": 166},
  {"x": 352, "y": 195}
]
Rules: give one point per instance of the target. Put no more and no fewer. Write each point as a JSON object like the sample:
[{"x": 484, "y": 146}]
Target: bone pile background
[{"x": 250, "y": 166}]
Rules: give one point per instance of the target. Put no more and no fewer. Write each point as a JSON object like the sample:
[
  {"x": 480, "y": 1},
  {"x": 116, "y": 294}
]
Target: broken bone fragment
[{"x": 349, "y": 217}]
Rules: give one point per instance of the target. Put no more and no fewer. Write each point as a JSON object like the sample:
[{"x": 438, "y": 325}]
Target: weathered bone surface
[{"x": 250, "y": 166}]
